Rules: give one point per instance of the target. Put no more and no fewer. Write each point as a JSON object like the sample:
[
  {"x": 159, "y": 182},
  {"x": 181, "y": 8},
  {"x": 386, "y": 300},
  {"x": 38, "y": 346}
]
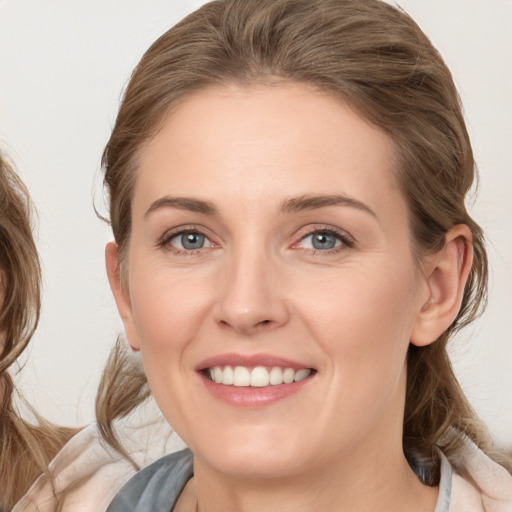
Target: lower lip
[{"x": 253, "y": 396}]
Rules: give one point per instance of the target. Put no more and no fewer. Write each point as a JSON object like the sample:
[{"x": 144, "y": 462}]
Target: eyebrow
[
  {"x": 296, "y": 204},
  {"x": 183, "y": 203},
  {"x": 313, "y": 202}
]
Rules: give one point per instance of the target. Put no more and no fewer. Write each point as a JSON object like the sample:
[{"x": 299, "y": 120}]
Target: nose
[{"x": 251, "y": 299}]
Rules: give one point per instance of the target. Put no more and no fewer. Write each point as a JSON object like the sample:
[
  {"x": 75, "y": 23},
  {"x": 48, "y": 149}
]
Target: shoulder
[
  {"x": 481, "y": 485},
  {"x": 89, "y": 473},
  {"x": 156, "y": 487}
]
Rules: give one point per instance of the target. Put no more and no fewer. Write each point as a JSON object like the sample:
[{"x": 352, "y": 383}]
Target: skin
[{"x": 258, "y": 286}]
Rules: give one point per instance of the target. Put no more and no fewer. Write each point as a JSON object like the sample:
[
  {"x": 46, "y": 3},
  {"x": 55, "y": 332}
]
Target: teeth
[
  {"x": 217, "y": 374},
  {"x": 258, "y": 377},
  {"x": 288, "y": 375},
  {"x": 276, "y": 376},
  {"x": 241, "y": 377},
  {"x": 301, "y": 375},
  {"x": 227, "y": 376}
]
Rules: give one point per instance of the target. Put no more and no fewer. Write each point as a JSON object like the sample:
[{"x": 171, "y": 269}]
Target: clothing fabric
[
  {"x": 481, "y": 485},
  {"x": 91, "y": 473},
  {"x": 157, "y": 487}
]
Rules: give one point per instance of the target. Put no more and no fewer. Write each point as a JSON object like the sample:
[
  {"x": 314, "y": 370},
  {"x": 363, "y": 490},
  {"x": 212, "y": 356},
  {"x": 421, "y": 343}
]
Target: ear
[
  {"x": 121, "y": 294},
  {"x": 446, "y": 272}
]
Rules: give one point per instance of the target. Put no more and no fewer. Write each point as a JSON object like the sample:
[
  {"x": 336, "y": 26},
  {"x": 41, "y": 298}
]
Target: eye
[
  {"x": 188, "y": 241},
  {"x": 321, "y": 241},
  {"x": 324, "y": 240}
]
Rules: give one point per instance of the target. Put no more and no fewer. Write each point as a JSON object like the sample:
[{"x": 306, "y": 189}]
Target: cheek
[
  {"x": 362, "y": 318},
  {"x": 167, "y": 310},
  {"x": 168, "y": 313}
]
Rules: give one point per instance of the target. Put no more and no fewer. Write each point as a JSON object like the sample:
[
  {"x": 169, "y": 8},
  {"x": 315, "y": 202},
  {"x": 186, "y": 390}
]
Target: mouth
[
  {"x": 253, "y": 380},
  {"x": 257, "y": 376}
]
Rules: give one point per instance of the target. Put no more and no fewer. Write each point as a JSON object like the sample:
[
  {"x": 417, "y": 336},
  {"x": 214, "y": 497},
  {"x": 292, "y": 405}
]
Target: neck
[{"x": 379, "y": 483}]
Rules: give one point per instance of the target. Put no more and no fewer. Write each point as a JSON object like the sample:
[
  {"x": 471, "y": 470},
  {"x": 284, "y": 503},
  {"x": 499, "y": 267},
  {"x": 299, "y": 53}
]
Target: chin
[
  {"x": 256, "y": 465},
  {"x": 253, "y": 455}
]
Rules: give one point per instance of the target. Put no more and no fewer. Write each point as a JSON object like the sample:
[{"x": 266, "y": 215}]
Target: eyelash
[
  {"x": 347, "y": 242},
  {"x": 164, "y": 242}
]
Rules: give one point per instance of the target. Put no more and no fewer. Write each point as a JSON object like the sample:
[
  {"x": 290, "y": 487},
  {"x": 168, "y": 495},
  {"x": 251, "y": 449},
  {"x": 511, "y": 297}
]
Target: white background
[{"x": 63, "y": 64}]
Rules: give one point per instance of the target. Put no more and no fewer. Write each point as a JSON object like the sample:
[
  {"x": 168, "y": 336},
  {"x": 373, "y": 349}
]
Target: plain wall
[{"x": 63, "y": 65}]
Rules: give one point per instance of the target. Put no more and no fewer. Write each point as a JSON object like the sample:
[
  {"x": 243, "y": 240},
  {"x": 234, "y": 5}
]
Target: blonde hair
[
  {"x": 374, "y": 57},
  {"x": 25, "y": 448}
]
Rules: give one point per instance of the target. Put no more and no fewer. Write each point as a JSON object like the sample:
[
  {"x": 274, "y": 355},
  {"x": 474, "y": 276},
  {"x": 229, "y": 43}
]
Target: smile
[
  {"x": 258, "y": 377},
  {"x": 254, "y": 380}
]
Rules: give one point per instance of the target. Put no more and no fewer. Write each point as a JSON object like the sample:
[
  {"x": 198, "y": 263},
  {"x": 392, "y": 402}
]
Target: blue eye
[
  {"x": 321, "y": 241},
  {"x": 189, "y": 241}
]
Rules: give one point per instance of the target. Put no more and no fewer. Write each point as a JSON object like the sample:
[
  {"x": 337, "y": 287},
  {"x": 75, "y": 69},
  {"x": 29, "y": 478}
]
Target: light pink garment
[
  {"x": 490, "y": 490},
  {"x": 93, "y": 473}
]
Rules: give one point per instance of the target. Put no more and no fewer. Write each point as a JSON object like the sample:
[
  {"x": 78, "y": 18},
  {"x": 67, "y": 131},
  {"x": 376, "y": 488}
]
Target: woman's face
[{"x": 270, "y": 242}]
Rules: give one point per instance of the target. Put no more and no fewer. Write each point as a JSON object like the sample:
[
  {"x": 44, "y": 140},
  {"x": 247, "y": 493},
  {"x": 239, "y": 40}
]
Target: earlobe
[
  {"x": 121, "y": 294},
  {"x": 446, "y": 275}
]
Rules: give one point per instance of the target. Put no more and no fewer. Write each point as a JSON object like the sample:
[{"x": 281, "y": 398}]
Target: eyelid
[
  {"x": 345, "y": 238},
  {"x": 163, "y": 241}
]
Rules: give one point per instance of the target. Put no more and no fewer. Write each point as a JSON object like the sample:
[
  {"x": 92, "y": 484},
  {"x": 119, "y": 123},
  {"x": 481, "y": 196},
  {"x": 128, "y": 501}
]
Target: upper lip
[{"x": 249, "y": 360}]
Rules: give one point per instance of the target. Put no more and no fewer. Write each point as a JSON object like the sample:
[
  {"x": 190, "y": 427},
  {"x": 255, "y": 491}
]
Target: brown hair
[
  {"x": 25, "y": 448},
  {"x": 374, "y": 57}
]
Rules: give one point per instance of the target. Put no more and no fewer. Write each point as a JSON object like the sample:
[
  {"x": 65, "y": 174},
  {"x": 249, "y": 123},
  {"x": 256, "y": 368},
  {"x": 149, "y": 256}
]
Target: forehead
[{"x": 264, "y": 141}]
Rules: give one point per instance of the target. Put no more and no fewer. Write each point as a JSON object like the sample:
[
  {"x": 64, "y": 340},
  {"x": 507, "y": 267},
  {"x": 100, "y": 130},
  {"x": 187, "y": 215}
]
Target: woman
[
  {"x": 26, "y": 448},
  {"x": 292, "y": 254}
]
